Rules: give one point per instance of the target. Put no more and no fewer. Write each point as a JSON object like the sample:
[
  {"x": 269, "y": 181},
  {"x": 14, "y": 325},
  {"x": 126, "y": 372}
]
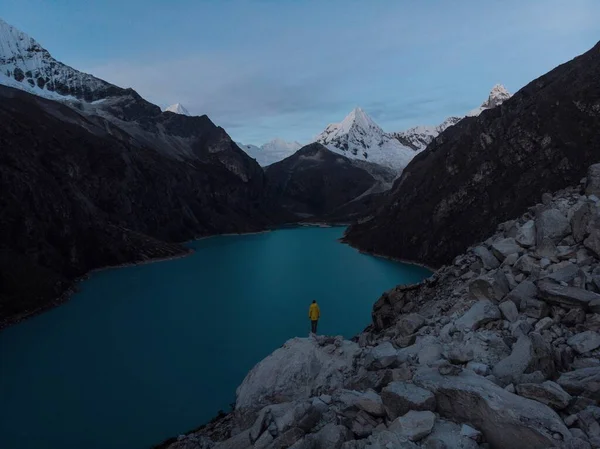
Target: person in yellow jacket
[{"x": 313, "y": 314}]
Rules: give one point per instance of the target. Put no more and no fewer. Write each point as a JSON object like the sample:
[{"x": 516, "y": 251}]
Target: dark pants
[{"x": 314, "y": 326}]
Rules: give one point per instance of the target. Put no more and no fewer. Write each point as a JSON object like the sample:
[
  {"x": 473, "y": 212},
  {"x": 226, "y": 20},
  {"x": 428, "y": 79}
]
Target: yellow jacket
[{"x": 313, "y": 312}]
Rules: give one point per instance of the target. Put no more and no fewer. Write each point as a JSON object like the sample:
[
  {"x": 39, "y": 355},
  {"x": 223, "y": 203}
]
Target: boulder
[
  {"x": 493, "y": 285},
  {"x": 371, "y": 403},
  {"x": 363, "y": 424},
  {"x": 526, "y": 264},
  {"x": 506, "y": 420},
  {"x": 480, "y": 313},
  {"x": 386, "y": 439},
  {"x": 331, "y": 436},
  {"x": 409, "y": 324},
  {"x": 503, "y": 248},
  {"x": 573, "y": 317},
  {"x": 399, "y": 397},
  {"x": 564, "y": 296},
  {"x": 551, "y": 224},
  {"x": 565, "y": 274},
  {"x": 592, "y": 185},
  {"x": 459, "y": 355},
  {"x": 488, "y": 260},
  {"x": 479, "y": 368},
  {"x": 509, "y": 310},
  {"x": 544, "y": 324},
  {"x": 525, "y": 289},
  {"x": 296, "y": 371},
  {"x": 580, "y": 221},
  {"x": 381, "y": 356},
  {"x": 470, "y": 432},
  {"x": 447, "y": 435},
  {"x": 582, "y": 382},
  {"x": 547, "y": 250},
  {"x": 593, "y": 242},
  {"x": 287, "y": 439},
  {"x": 534, "y": 308},
  {"x": 530, "y": 353},
  {"x": 548, "y": 392},
  {"x": 526, "y": 234},
  {"x": 584, "y": 342},
  {"x": 414, "y": 425}
]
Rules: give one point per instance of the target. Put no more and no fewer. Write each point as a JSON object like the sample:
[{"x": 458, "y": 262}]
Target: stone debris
[{"x": 500, "y": 349}]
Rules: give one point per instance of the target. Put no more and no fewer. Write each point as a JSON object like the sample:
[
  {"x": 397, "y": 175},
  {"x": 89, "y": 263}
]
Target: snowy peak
[
  {"x": 497, "y": 96},
  {"x": 271, "y": 152},
  {"x": 177, "y": 108},
  {"x": 16, "y": 45}
]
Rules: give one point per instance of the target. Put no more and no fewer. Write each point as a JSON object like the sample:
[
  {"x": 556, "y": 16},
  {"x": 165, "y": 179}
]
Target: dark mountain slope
[
  {"x": 487, "y": 169},
  {"x": 78, "y": 193},
  {"x": 314, "y": 182}
]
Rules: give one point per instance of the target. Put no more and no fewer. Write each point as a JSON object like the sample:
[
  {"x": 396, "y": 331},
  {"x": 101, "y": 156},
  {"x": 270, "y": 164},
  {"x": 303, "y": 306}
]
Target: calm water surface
[{"x": 144, "y": 353}]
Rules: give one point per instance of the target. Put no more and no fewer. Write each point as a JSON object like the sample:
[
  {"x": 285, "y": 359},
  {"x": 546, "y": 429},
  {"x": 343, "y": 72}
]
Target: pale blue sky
[{"x": 287, "y": 68}]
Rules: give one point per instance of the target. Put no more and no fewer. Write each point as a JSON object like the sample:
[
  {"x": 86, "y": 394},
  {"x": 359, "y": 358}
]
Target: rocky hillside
[
  {"x": 498, "y": 350},
  {"x": 486, "y": 169},
  {"x": 315, "y": 183},
  {"x": 80, "y": 193}
]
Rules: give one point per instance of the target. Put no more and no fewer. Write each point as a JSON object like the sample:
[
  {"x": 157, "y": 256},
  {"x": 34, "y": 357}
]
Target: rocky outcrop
[
  {"x": 488, "y": 169},
  {"x": 79, "y": 193},
  {"x": 447, "y": 365}
]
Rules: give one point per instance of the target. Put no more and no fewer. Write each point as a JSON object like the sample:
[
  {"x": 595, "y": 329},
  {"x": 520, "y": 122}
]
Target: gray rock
[
  {"x": 592, "y": 185},
  {"x": 447, "y": 435},
  {"x": 537, "y": 377},
  {"x": 585, "y": 362},
  {"x": 526, "y": 264},
  {"x": 520, "y": 328},
  {"x": 429, "y": 354},
  {"x": 409, "y": 324},
  {"x": 544, "y": 263},
  {"x": 565, "y": 274},
  {"x": 479, "y": 368},
  {"x": 405, "y": 341},
  {"x": 525, "y": 289},
  {"x": 573, "y": 317},
  {"x": 331, "y": 437},
  {"x": 529, "y": 354},
  {"x": 487, "y": 258},
  {"x": 386, "y": 439},
  {"x": 493, "y": 285},
  {"x": 547, "y": 249},
  {"x": 479, "y": 314},
  {"x": 544, "y": 324},
  {"x": 510, "y": 260},
  {"x": 503, "y": 248},
  {"x": 548, "y": 392},
  {"x": 534, "y": 308},
  {"x": 526, "y": 234},
  {"x": 398, "y": 398},
  {"x": 567, "y": 297},
  {"x": 584, "y": 342},
  {"x": 473, "y": 399},
  {"x": 551, "y": 224},
  {"x": 593, "y": 242},
  {"x": 414, "y": 425},
  {"x": 363, "y": 424},
  {"x": 582, "y": 382},
  {"x": 510, "y": 388},
  {"x": 470, "y": 432},
  {"x": 459, "y": 355},
  {"x": 381, "y": 356},
  {"x": 447, "y": 369},
  {"x": 509, "y": 310}
]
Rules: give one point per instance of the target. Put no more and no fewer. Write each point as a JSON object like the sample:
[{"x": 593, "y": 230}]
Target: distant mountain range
[
  {"x": 359, "y": 137},
  {"x": 177, "y": 108}
]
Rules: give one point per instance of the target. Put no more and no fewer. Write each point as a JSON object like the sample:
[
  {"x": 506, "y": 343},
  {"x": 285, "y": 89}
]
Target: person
[{"x": 313, "y": 314}]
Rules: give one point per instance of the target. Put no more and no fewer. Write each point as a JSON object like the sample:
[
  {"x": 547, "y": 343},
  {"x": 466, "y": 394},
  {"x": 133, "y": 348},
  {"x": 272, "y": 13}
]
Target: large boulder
[
  {"x": 564, "y": 296},
  {"x": 592, "y": 185},
  {"x": 509, "y": 310},
  {"x": 488, "y": 260},
  {"x": 525, "y": 289},
  {"x": 505, "y": 247},
  {"x": 505, "y": 419},
  {"x": 530, "y": 353},
  {"x": 526, "y": 234},
  {"x": 548, "y": 392},
  {"x": 551, "y": 224},
  {"x": 399, "y": 397},
  {"x": 297, "y": 370},
  {"x": 493, "y": 285},
  {"x": 585, "y": 341},
  {"x": 414, "y": 425},
  {"x": 381, "y": 356},
  {"x": 447, "y": 435},
  {"x": 480, "y": 313},
  {"x": 409, "y": 324},
  {"x": 582, "y": 382}
]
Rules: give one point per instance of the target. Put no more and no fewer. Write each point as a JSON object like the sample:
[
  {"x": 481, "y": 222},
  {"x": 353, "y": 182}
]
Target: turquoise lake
[{"x": 144, "y": 353}]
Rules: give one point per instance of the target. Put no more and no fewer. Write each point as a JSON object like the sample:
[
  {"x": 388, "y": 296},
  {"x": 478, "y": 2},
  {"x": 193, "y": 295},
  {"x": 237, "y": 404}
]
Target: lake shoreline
[{"x": 73, "y": 288}]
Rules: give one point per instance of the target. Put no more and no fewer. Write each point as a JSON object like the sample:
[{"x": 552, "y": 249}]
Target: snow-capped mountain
[
  {"x": 26, "y": 65},
  {"x": 177, "y": 108},
  {"x": 271, "y": 152},
  {"x": 419, "y": 137},
  {"x": 359, "y": 137}
]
